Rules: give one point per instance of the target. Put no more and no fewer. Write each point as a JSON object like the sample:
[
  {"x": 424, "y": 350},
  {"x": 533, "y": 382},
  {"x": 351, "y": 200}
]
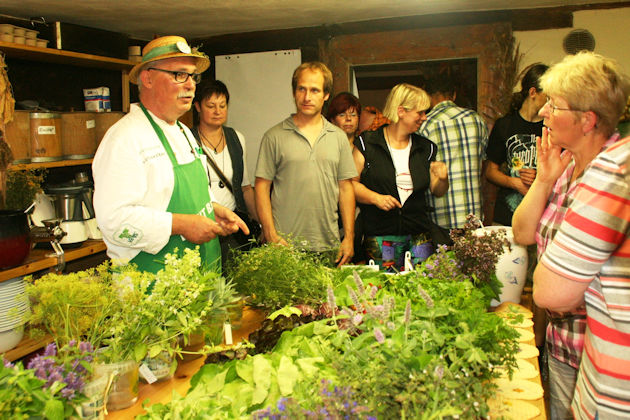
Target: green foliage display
[
  {"x": 110, "y": 307},
  {"x": 275, "y": 276},
  {"x": 183, "y": 299},
  {"x": 419, "y": 345},
  {"x": 23, "y": 396}
]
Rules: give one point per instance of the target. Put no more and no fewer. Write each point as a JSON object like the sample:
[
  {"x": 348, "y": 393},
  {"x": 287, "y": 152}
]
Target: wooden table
[{"x": 162, "y": 392}]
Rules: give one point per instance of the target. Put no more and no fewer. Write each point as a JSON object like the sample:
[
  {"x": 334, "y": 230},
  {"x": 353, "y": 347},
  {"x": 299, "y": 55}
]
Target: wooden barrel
[
  {"x": 78, "y": 135},
  {"x": 104, "y": 120},
  {"x": 17, "y": 136},
  {"x": 45, "y": 137}
]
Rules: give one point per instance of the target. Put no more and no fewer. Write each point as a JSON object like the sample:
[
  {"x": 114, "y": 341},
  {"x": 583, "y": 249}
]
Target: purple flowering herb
[
  {"x": 373, "y": 291},
  {"x": 378, "y": 311},
  {"x": 64, "y": 366},
  {"x": 425, "y": 296},
  {"x": 378, "y": 334},
  {"x": 408, "y": 312},
  {"x": 331, "y": 299},
  {"x": 86, "y": 347},
  {"x": 7, "y": 364},
  {"x": 355, "y": 299},
  {"x": 386, "y": 307},
  {"x": 439, "y": 372},
  {"x": 51, "y": 350},
  {"x": 282, "y": 404},
  {"x": 358, "y": 282},
  {"x": 347, "y": 312}
]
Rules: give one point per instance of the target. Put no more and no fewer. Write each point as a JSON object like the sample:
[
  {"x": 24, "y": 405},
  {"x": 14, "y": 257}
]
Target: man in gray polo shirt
[{"x": 310, "y": 164}]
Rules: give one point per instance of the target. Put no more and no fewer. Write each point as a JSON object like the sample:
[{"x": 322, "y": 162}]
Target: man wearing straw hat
[{"x": 151, "y": 188}]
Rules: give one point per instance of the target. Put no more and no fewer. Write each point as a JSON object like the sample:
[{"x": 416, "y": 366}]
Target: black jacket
[{"x": 379, "y": 175}]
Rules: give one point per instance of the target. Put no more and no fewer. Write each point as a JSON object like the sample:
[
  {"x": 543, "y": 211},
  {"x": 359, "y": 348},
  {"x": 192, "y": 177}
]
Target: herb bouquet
[
  {"x": 184, "y": 299},
  {"x": 274, "y": 276}
]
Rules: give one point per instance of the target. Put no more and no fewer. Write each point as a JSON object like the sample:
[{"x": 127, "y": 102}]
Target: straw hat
[{"x": 168, "y": 47}]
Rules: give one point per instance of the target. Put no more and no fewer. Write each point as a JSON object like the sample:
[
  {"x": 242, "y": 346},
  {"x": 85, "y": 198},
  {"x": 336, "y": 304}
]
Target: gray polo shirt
[{"x": 305, "y": 181}]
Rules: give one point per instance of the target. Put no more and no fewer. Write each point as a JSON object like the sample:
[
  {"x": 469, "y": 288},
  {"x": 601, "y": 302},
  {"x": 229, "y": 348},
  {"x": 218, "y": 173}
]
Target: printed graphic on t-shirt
[{"x": 521, "y": 154}]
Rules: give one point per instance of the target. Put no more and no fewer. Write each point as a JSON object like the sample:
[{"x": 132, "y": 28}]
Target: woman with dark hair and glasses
[
  {"x": 224, "y": 149},
  {"x": 511, "y": 148},
  {"x": 344, "y": 111},
  {"x": 586, "y": 96}
]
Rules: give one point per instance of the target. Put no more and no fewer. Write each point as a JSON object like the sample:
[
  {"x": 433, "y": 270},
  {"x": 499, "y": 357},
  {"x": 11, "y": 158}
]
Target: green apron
[{"x": 190, "y": 196}]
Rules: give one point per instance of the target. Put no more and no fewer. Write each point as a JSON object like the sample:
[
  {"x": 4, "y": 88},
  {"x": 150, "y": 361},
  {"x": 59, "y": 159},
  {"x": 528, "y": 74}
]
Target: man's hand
[
  {"x": 518, "y": 185},
  {"x": 346, "y": 252},
  {"x": 527, "y": 176},
  {"x": 439, "y": 170},
  {"x": 195, "y": 228},
  {"x": 275, "y": 239},
  {"x": 228, "y": 220}
]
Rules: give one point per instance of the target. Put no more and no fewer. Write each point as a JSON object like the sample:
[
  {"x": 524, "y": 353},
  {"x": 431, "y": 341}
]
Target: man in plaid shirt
[{"x": 461, "y": 136}]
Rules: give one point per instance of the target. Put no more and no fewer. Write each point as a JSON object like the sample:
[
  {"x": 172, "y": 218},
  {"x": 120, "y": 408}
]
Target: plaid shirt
[{"x": 462, "y": 137}]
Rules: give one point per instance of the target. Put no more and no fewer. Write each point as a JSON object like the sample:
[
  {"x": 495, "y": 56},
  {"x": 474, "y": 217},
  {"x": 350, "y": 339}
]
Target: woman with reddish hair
[{"x": 344, "y": 111}]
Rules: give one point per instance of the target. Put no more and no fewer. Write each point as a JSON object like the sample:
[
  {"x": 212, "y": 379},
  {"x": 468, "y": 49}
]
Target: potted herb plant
[
  {"x": 17, "y": 193},
  {"x": 70, "y": 366}
]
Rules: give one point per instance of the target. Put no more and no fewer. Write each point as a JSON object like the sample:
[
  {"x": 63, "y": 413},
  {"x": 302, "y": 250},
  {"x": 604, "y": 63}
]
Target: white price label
[
  {"x": 227, "y": 329},
  {"x": 147, "y": 374}
]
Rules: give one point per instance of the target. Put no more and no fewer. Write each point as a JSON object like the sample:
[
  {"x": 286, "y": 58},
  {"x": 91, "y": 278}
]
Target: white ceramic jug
[{"x": 511, "y": 267}]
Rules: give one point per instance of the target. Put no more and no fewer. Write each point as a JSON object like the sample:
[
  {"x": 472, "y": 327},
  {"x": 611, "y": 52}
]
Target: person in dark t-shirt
[{"x": 512, "y": 146}]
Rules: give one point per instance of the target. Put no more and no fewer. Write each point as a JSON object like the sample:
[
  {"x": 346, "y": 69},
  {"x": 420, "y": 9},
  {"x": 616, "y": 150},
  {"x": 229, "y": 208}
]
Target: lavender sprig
[{"x": 359, "y": 283}]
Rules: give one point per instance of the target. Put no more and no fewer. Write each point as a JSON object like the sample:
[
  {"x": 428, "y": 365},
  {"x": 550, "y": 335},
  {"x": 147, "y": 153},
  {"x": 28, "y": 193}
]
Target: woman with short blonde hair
[
  {"x": 589, "y": 82},
  {"x": 396, "y": 167},
  {"x": 409, "y": 97}
]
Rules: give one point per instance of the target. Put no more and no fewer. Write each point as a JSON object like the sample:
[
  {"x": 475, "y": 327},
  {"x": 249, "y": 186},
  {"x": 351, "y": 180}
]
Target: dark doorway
[{"x": 374, "y": 81}]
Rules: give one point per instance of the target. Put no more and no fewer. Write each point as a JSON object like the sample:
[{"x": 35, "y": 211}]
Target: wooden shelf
[
  {"x": 27, "y": 346},
  {"x": 55, "y": 164},
  {"x": 41, "y": 259},
  {"x": 52, "y": 55}
]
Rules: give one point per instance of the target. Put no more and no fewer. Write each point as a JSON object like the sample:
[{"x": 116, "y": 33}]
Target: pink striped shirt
[{"x": 593, "y": 246}]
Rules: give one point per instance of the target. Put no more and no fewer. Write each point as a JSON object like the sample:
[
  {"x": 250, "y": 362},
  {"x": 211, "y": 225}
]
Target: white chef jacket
[{"x": 133, "y": 184}]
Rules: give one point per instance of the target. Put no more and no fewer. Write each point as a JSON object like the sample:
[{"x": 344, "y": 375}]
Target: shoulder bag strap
[{"x": 216, "y": 169}]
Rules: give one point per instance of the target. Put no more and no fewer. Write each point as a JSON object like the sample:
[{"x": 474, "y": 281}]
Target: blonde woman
[{"x": 396, "y": 167}]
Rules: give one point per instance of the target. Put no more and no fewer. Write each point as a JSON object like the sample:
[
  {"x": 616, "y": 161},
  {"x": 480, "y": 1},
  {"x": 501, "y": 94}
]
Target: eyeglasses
[
  {"x": 180, "y": 76},
  {"x": 554, "y": 108},
  {"x": 351, "y": 115}
]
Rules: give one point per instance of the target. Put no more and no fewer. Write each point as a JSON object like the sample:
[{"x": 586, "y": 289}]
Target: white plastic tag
[
  {"x": 408, "y": 264},
  {"x": 227, "y": 330},
  {"x": 147, "y": 374}
]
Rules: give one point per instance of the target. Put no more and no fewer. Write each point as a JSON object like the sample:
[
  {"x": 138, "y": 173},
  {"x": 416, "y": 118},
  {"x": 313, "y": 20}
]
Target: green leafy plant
[
  {"x": 23, "y": 395},
  {"x": 274, "y": 276}
]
